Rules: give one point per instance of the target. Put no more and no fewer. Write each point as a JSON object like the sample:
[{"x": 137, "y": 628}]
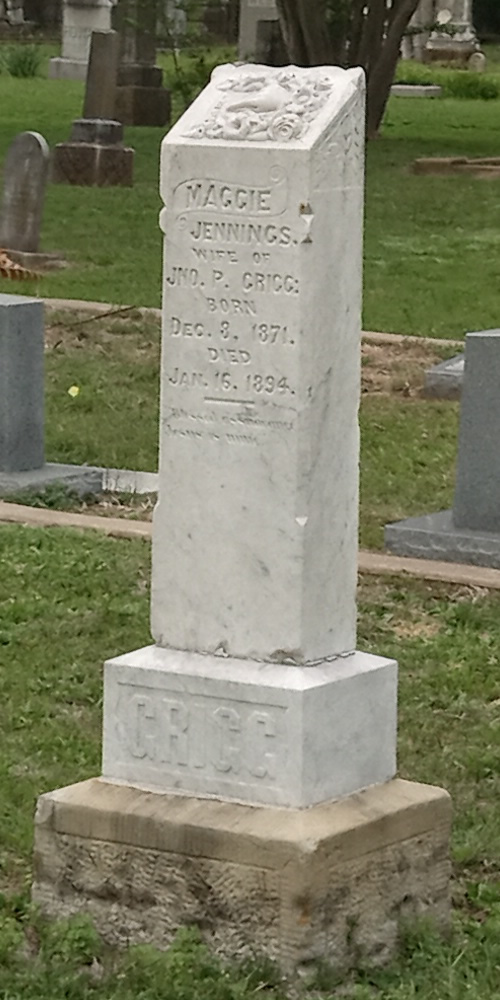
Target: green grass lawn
[
  {"x": 69, "y": 600},
  {"x": 431, "y": 243}
]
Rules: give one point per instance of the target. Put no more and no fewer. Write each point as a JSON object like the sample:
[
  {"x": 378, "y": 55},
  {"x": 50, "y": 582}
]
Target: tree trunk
[
  {"x": 382, "y": 74},
  {"x": 303, "y": 28},
  {"x": 364, "y": 32}
]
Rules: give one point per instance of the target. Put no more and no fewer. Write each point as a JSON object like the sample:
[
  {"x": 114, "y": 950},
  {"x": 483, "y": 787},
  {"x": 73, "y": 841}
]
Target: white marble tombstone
[
  {"x": 254, "y": 689},
  {"x": 80, "y": 19}
]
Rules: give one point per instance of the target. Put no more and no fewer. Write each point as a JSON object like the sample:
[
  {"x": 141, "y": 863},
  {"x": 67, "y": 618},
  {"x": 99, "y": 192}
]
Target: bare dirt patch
[
  {"x": 137, "y": 506},
  {"x": 123, "y": 332},
  {"x": 398, "y": 368}
]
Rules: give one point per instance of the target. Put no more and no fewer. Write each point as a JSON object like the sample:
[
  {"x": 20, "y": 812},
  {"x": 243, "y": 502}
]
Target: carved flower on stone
[
  {"x": 284, "y": 126},
  {"x": 237, "y": 126}
]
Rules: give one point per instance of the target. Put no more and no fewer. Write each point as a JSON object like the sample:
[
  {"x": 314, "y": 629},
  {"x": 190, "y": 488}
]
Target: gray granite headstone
[
  {"x": 470, "y": 532},
  {"x": 21, "y": 384},
  {"x": 477, "y": 492},
  {"x": 24, "y": 181},
  {"x": 444, "y": 381},
  {"x": 22, "y": 461}
]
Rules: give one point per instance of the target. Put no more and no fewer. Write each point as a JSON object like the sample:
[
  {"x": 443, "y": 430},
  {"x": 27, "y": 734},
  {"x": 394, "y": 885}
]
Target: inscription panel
[
  {"x": 230, "y": 333},
  {"x": 216, "y": 739}
]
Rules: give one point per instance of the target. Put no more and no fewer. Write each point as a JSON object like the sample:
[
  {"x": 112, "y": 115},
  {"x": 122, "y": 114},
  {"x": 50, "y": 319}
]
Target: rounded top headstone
[
  {"x": 477, "y": 62},
  {"x": 25, "y": 178}
]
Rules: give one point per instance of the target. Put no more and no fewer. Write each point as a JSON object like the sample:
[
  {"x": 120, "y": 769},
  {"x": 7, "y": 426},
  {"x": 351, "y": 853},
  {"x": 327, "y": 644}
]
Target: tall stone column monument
[{"x": 249, "y": 755}]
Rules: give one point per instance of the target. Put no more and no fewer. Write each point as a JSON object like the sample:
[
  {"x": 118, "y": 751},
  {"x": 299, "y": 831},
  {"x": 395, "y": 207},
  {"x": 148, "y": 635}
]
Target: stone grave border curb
[{"x": 371, "y": 563}]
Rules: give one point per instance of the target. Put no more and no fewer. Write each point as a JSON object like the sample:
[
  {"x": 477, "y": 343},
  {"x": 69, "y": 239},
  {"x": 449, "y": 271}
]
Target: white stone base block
[
  {"x": 337, "y": 882},
  {"x": 254, "y": 732},
  {"x": 67, "y": 69}
]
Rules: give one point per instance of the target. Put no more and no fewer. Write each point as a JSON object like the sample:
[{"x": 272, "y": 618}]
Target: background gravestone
[
  {"x": 95, "y": 154},
  {"x": 22, "y": 461},
  {"x": 80, "y": 19},
  {"x": 444, "y": 380},
  {"x": 254, "y": 693},
  {"x": 141, "y": 98},
  {"x": 25, "y": 175},
  {"x": 454, "y": 38},
  {"x": 470, "y": 532},
  {"x": 419, "y": 29},
  {"x": 14, "y": 12},
  {"x": 100, "y": 88},
  {"x": 260, "y": 38}
]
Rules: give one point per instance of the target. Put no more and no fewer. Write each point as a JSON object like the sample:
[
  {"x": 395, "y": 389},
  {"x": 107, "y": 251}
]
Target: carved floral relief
[{"x": 261, "y": 107}]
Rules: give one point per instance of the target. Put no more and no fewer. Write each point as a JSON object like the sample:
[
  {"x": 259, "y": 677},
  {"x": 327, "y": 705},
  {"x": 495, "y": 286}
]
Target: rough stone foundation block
[
  {"x": 258, "y": 732},
  {"x": 436, "y": 536},
  {"x": 90, "y": 165},
  {"x": 333, "y": 882}
]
